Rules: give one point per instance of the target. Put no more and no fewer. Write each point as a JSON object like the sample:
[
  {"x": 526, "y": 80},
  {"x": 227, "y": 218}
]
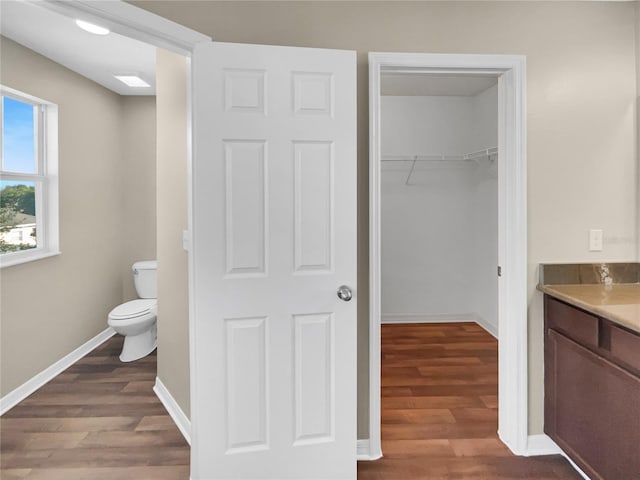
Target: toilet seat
[{"x": 132, "y": 309}]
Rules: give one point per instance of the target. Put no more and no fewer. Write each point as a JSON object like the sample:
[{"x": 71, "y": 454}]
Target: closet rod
[
  {"x": 473, "y": 156},
  {"x": 489, "y": 152}
]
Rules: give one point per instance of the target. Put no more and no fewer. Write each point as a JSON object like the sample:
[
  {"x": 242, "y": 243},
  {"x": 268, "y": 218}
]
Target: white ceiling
[
  {"x": 97, "y": 57},
  {"x": 427, "y": 85}
]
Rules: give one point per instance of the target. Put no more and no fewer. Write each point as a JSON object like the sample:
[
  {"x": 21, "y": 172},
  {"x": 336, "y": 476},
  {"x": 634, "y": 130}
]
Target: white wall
[
  {"x": 485, "y": 211},
  {"x": 426, "y": 125},
  {"x": 439, "y": 233},
  {"x": 426, "y": 241}
]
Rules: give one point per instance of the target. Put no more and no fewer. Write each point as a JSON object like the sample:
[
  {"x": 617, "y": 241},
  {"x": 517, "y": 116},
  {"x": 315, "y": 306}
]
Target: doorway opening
[
  {"x": 474, "y": 183},
  {"x": 439, "y": 199},
  {"x": 439, "y": 251}
]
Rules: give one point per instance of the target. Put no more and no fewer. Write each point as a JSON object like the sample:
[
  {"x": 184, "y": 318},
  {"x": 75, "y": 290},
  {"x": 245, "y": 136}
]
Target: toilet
[{"x": 136, "y": 320}]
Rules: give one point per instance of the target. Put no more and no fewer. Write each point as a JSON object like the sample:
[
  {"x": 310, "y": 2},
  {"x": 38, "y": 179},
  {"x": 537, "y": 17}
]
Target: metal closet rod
[
  {"x": 441, "y": 158},
  {"x": 489, "y": 152}
]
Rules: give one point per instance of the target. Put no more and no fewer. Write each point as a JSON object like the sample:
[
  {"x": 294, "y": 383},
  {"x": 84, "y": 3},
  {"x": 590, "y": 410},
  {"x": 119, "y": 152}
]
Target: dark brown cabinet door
[{"x": 595, "y": 410}]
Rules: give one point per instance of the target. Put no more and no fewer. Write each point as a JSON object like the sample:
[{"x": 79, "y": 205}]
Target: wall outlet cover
[{"x": 595, "y": 240}]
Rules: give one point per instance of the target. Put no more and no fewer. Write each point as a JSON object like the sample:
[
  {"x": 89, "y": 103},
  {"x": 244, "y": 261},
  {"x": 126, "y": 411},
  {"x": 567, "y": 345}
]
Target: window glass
[
  {"x": 28, "y": 178},
  {"x": 18, "y": 136},
  {"x": 17, "y": 216}
]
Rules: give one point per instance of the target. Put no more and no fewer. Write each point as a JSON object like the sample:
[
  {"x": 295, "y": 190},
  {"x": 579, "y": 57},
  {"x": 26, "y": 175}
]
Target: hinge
[{"x": 499, "y": 271}]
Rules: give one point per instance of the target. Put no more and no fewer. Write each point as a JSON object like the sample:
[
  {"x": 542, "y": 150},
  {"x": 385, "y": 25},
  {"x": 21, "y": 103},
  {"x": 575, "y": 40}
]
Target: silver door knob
[{"x": 344, "y": 293}]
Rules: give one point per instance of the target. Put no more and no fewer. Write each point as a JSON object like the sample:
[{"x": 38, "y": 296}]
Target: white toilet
[{"x": 136, "y": 320}]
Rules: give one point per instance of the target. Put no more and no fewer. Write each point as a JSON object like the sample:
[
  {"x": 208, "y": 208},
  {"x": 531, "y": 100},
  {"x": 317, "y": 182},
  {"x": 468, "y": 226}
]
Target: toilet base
[{"x": 138, "y": 346}]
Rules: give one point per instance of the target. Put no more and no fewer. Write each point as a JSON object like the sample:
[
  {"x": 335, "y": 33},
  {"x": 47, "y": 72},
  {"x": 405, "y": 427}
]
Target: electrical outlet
[{"x": 595, "y": 240}]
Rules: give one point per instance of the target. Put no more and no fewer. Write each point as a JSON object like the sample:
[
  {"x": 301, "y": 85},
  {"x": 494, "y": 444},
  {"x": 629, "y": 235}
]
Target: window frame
[{"x": 45, "y": 178}]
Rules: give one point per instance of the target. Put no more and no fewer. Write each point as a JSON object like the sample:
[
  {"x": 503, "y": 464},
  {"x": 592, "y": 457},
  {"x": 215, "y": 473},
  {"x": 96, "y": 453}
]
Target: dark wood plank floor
[
  {"x": 99, "y": 420},
  {"x": 440, "y": 409}
]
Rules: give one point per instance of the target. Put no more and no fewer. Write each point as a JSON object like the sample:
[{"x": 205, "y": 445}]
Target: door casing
[{"x": 512, "y": 232}]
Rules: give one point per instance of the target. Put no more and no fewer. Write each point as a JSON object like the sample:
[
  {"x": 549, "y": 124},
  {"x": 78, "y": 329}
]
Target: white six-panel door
[{"x": 274, "y": 236}]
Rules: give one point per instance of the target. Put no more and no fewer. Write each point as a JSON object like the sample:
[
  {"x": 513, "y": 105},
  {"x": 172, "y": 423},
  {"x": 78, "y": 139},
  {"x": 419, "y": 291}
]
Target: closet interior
[{"x": 439, "y": 203}]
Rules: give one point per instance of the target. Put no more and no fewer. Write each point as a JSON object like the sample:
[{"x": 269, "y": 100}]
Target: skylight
[{"x": 132, "y": 81}]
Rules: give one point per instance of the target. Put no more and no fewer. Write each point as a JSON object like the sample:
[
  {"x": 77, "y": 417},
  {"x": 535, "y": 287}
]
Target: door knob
[{"x": 344, "y": 293}]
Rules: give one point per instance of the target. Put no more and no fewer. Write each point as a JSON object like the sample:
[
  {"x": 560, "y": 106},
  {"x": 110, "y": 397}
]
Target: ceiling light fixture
[
  {"x": 92, "y": 28},
  {"x": 132, "y": 81}
]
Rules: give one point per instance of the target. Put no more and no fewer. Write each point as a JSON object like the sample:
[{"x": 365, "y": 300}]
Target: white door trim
[
  {"x": 130, "y": 21},
  {"x": 512, "y": 235}
]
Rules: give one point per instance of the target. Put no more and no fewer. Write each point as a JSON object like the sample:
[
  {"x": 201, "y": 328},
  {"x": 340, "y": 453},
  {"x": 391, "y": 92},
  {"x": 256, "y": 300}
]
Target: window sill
[{"x": 25, "y": 256}]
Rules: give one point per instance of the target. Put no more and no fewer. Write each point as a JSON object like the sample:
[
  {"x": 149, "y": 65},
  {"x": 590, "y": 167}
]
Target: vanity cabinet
[{"x": 592, "y": 391}]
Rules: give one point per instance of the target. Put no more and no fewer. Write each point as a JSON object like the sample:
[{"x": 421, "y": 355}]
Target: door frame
[{"x": 512, "y": 231}]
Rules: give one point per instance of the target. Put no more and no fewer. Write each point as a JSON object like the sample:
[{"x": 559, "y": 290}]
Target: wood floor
[
  {"x": 440, "y": 409},
  {"x": 100, "y": 419}
]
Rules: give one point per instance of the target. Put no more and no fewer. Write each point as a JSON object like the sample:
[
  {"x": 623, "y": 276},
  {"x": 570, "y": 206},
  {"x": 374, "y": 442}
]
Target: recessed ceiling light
[
  {"x": 91, "y": 28},
  {"x": 132, "y": 81}
]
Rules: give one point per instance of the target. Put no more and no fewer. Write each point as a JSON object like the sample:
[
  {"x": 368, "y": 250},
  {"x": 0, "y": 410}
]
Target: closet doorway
[
  {"x": 439, "y": 199},
  {"x": 448, "y": 233}
]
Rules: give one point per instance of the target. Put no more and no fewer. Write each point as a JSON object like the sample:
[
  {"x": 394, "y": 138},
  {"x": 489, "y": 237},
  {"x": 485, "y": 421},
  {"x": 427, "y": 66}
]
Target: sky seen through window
[{"x": 18, "y": 142}]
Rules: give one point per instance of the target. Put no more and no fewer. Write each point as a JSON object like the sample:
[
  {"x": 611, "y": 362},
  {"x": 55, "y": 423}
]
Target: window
[{"x": 28, "y": 178}]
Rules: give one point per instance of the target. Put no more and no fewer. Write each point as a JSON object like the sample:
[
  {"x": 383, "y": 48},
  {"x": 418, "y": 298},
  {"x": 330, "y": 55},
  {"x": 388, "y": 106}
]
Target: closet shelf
[{"x": 489, "y": 153}]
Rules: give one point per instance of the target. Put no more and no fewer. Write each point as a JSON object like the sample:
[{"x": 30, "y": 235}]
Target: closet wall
[{"x": 439, "y": 231}]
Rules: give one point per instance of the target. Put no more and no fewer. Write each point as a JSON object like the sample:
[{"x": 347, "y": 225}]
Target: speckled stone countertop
[{"x": 617, "y": 300}]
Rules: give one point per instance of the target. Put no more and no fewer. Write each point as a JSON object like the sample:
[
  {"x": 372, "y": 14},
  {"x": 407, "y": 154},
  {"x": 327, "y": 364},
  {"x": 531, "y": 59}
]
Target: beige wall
[
  {"x": 173, "y": 291},
  {"x": 138, "y": 130},
  {"x": 638, "y": 113},
  {"x": 52, "y": 306},
  {"x": 581, "y": 93}
]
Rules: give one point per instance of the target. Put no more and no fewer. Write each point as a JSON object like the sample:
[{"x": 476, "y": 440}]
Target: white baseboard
[
  {"x": 439, "y": 318},
  {"x": 576, "y": 467},
  {"x": 427, "y": 317},
  {"x": 364, "y": 452},
  {"x": 175, "y": 412},
  {"x": 489, "y": 327},
  {"x": 14, "y": 397},
  {"x": 543, "y": 445}
]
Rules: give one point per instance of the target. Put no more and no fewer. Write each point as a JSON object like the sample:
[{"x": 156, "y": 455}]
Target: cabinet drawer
[
  {"x": 625, "y": 346},
  {"x": 574, "y": 323}
]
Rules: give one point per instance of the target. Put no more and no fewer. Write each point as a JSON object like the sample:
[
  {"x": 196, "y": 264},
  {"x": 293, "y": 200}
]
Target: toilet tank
[{"x": 145, "y": 278}]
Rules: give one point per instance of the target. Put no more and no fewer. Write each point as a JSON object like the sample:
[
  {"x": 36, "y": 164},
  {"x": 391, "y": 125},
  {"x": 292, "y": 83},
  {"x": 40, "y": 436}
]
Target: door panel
[
  {"x": 314, "y": 368},
  {"x": 247, "y": 203},
  {"x": 247, "y": 399},
  {"x": 313, "y": 201},
  {"x": 274, "y": 235}
]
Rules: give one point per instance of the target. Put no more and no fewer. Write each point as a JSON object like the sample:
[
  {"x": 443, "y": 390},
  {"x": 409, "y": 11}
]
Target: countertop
[{"x": 619, "y": 302}]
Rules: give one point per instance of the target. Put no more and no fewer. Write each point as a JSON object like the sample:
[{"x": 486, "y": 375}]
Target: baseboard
[
  {"x": 439, "y": 318},
  {"x": 364, "y": 452},
  {"x": 489, "y": 327},
  {"x": 175, "y": 412},
  {"x": 14, "y": 397},
  {"x": 543, "y": 445},
  {"x": 427, "y": 317}
]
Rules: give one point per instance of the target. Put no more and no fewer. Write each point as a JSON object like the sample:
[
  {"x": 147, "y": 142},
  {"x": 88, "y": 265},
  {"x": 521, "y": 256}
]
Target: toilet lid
[{"x": 134, "y": 308}]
